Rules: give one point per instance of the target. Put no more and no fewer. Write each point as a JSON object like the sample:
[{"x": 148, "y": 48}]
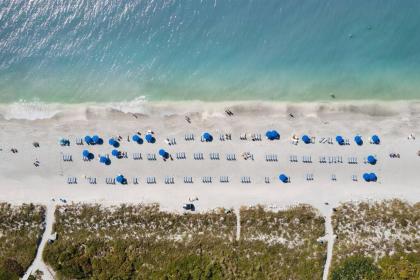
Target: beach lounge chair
[
  {"x": 322, "y": 159},
  {"x": 231, "y": 157},
  {"x": 309, "y": 177},
  {"x": 189, "y": 137},
  {"x": 228, "y": 136},
  {"x": 135, "y": 181},
  {"x": 354, "y": 178},
  {"x": 169, "y": 180},
  {"x": 267, "y": 180},
  {"x": 242, "y": 136},
  {"x": 137, "y": 156},
  {"x": 79, "y": 141},
  {"x": 245, "y": 180},
  {"x": 71, "y": 180},
  {"x": 110, "y": 180},
  {"x": 151, "y": 156},
  {"x": 188, "y": 180},
  {"x": 198, "y": 156},
  {"x": 206, "y": 179},
  {"x": 333, "y": 177},
  {"x": 224, "y": 179},
  {"x": 222, "y": 137},
  {"x": 67, "y": 157},
  {"x": 214, "y": 156},
  {"x": 151, "y": 180},
  {"x": 92, "y": 180}
]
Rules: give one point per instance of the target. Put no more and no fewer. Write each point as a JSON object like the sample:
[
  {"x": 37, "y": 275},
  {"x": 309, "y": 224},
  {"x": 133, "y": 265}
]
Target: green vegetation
[
  {"x": 20, "y": 230},
  {"x": 142, "y": 242},
  {"x": 377, "y": 241}
]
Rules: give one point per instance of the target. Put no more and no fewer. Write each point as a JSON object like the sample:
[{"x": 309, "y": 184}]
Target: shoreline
[{"x": 36, "y": 110}]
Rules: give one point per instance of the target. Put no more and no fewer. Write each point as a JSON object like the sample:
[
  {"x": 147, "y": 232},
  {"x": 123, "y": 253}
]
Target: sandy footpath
[{"x": 21, "y": 181}]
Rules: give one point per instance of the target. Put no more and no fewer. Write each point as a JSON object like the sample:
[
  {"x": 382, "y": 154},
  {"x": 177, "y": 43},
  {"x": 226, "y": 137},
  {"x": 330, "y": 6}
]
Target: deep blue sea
[{"x": 114, "y": 50}]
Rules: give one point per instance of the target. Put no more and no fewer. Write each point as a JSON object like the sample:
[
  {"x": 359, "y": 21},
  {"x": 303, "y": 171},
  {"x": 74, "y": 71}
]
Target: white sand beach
[{"x": 21, "y": 181}]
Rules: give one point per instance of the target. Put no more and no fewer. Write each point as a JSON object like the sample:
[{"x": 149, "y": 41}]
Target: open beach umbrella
[
  {"x": 120, "y": 179},
  {"x": 136, "y": 138},
  {"x": 359, "y": 141},
  {"x": 283, "y": 178},
  {"x": 115, "y": 153},
  {"x": 150, "y": 139},
  {"x": 95, "y": 139},
  {"x": 207, "y": 137},
  {"x": 85, "y": 153},
  {"x": 105, "y": 160},
  {"x": 88, "y": 140},
  {"x": 375, "y": 139},
  {"x": 340, "y": 140},
  {"x": 272, "y": 135},
  {"x": 306, "y": 139},
  {"x": 163, "y": 153},
  {"x": 373, "y": 177},
  {"x": 371, "y": 159},
  {"x": 114, "y": 143},
  {"x": 366, "y": 177}
]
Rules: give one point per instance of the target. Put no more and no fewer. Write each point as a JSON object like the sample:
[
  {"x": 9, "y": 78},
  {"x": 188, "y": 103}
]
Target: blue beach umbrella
[
  {"x": 340, "y": 140},
  {"x": 105, "y": 160},
  {"x": 375, "y": 139},
  {"x": 272, "y": 135},
  {"x": 88, "y": 140},
  {"x": 114, "y": 143},
  {"x": 95, "y": 139},
  {"x": 373, "y": 177},
  {"x": 306, "y": 139},
  {"x": 85, "y": 153},
  {"x": 136, "y": 138},
  {"x": 150, "y": 139},
  {"x": 120, "y": 179},
  {"x": 163, "y": 153},
  {"x": 359, "y": 141},
  {"x": 366, "y": 177},
  {"x": 115, "y": 153},
  {"x": 371, "y": 159},
  {"x": 207, "y": 137},
  {"x": 283, "y": 178}
]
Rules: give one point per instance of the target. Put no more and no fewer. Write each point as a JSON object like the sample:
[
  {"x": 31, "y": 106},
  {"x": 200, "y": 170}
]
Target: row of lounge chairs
[
  {"x": 189, "y": 137},
  {"x": 307, "y": 159},
  {"x": 189, "y": 179},
  {"x": 336, "y": 159}
]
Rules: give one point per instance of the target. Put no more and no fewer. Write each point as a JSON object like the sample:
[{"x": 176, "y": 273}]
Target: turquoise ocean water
[{"x": 114, "y": 50}]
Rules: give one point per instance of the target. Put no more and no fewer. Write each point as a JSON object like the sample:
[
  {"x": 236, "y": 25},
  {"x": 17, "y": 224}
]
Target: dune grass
[
  {"x": 377, "y": 240},
  {"x": 20, "y": 230},
  {"x": 142, "y": 242}
]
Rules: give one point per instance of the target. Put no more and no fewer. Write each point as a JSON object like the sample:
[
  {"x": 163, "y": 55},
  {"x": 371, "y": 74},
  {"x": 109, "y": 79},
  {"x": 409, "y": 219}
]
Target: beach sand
[{"x": 21, "y": 181}]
